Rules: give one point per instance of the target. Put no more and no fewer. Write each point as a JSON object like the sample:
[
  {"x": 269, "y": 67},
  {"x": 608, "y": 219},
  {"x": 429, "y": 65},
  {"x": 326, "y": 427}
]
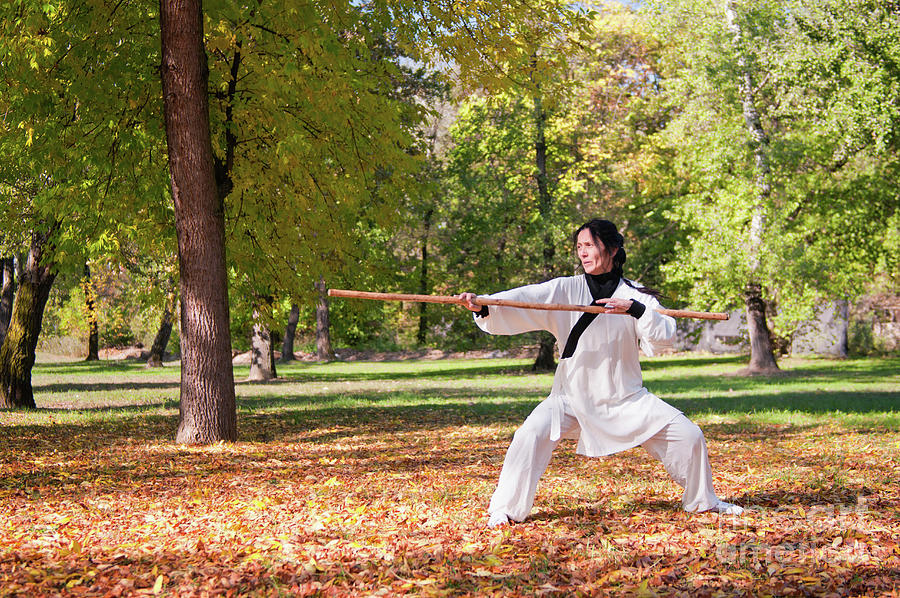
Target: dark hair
[{"x": 606, "y": 233}]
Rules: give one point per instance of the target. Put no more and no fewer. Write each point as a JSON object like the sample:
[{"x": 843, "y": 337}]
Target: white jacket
[{"x": 601, "y": 382}]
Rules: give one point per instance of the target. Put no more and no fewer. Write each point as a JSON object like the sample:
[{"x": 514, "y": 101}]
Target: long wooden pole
[{"x": 594, "y": 309}]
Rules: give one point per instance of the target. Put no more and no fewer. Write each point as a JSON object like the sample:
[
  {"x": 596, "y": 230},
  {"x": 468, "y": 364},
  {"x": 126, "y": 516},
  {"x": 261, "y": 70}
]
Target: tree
[
  {"x": 93, "y": 346},
  {"x": 770, "y": 193},
  {"x": 207, "y": 411},
  {"x": 262, "y": 346},
  {"x": 324, "y": 128},
  {"x": 839, "y": 77},
  {"x": 290, "y": 332},
  {"x": 324, "y": 352},
  {"x": 728, "y": 204},
  {"x": 164, "y": 332},
  {"x": 544, "y": 359},
  {"x": 78, "y": 133},
  {"x": 624, "y": 173},
  {"x": 527, "y": 168},
  {"x": 17, "y": 352},
  {"x": 762, "y": 353}
]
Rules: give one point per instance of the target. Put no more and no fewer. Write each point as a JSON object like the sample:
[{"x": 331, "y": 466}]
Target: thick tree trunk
[
  {"x": 762, "y": 350},
  {"x": 93, "y": 346},
  {"x": 762, "y": 354},
  {"x": 161, "y": 340},
  {"x": 17, "y": 354},
  {"x": 262, "y": 352},
  {"x": 545, "y": 359},
  {"x": 324, "y": 351},
  {"x": 422, "y": 334},
  {"x": 290, "y": 331},
  {"x": 207, "y": 411},
  {"x": 7, "y": 293}
]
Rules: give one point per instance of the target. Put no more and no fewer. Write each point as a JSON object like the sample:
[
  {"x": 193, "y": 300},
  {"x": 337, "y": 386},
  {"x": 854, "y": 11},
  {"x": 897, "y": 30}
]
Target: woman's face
[{"x": 593, "y": 255}]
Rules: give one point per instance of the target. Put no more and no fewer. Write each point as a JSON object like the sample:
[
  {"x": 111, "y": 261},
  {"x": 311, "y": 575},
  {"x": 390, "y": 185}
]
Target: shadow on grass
[
  {"x": 489, "y": 406},
  {"x": 430, "y": 406},
  {"x": 812, "y": 402},
  {"x": 70, "y": 387},
  {"x": 445, "y": 371},
  {"x": 700, "y": 361},
  {"x": 102, "y": 366}
]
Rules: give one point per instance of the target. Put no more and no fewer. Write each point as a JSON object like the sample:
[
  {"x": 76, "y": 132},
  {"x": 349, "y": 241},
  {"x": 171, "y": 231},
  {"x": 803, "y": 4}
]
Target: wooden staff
[{"x": 594, "y": 309}]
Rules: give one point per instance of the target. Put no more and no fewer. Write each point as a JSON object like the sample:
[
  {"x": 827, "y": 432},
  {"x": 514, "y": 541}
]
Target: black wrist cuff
[
  {"x": 483, "y": 312},
  {"x": 637, "y": 309}
]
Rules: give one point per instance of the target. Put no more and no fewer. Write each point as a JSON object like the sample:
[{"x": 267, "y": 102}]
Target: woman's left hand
[{"x": 614, "y": 305}]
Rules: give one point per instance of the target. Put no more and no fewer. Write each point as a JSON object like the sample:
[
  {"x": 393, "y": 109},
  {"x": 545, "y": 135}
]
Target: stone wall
[
  {"x": 826, "y": 334},
  {"x": 713, "y": 336},
  {"x": 868, "y": 326}
]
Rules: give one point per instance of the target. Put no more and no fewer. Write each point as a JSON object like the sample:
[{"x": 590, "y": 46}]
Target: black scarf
[{"x": 601, "y": 286}]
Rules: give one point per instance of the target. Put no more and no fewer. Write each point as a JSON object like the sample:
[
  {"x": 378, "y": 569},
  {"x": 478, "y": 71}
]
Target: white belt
[{"x": 557, "y": 412}]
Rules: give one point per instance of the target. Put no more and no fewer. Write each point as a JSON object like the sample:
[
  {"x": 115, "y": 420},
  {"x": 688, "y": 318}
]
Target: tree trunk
[
  {"x": 7, "y": 292},
  {"x": 762, "y": 354},
  {"x": 290, "y": 331},
  {"x": 161, "y": 340},
  {"x": 17, "y": 352},
  {"x": 545, "y": 359},
  {"x": 93, "y": 348},
  {"x": 762, "y": 351},
  {"x": 421, "y": 335},
  {"x": 323, "y": 332},
  {"x": 262, "y": 352},
  {"x": 207, "y": 410}
]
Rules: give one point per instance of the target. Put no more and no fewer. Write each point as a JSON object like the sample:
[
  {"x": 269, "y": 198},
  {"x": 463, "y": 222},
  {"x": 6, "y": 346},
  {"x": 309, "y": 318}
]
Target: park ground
[{"x": 371, "y": 479}]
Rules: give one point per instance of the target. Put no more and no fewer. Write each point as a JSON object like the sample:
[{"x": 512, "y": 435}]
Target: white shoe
[
  {"x": 726, "y": 508},
  {"x": 498, "y": 520}
]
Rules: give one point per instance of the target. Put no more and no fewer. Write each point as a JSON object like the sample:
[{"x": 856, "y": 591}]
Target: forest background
[{"x": 747, "y": 150}]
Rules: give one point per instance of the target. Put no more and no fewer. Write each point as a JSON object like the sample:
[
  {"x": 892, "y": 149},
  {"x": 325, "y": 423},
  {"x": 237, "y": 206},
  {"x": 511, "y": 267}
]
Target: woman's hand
[
  {"x": 614, "y": 305},
  {"x": 468, "y": 301}
]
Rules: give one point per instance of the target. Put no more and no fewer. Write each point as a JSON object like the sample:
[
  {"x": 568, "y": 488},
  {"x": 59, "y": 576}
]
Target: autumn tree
[
  {"x": 207, "y": 407},
  {"x": 525, "y": 170},
  {"x": 78, "y": 139},
  {"x": 762, "y": 351},
  {"x": 17, "y": 353},
  {"x": 323, "y": 133}
]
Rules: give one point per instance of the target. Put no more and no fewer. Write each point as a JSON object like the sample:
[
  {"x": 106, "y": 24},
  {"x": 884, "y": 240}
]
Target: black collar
[{"x": 603, "y": 285}]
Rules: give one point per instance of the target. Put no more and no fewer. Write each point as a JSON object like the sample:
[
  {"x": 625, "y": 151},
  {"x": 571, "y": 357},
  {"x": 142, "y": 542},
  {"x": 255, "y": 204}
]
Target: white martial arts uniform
[{"x": 597, "y": 395}]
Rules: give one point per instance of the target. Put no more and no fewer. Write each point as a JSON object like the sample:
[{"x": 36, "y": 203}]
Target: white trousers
[{"x": 680, "y": 446}]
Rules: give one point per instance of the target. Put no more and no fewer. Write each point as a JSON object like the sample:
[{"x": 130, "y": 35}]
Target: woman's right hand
[{"x": 468, "y": 301}]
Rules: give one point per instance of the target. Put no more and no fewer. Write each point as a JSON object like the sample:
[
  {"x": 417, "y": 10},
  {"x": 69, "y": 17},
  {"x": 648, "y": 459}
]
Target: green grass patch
[{"x": 862, "y": 392}]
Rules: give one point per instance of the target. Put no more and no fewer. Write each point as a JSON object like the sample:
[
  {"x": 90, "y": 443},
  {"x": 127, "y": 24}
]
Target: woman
[{"x": 598, "y": 394}]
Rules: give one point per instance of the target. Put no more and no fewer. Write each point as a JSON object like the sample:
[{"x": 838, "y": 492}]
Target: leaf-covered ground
[{"x": 372, "y": 479}]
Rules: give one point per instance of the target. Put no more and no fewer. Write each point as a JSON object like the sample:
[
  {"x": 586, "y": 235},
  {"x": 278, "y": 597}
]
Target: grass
[
  {"x": 366, "y": 478},
  {"x": 853, "y": 392}
]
